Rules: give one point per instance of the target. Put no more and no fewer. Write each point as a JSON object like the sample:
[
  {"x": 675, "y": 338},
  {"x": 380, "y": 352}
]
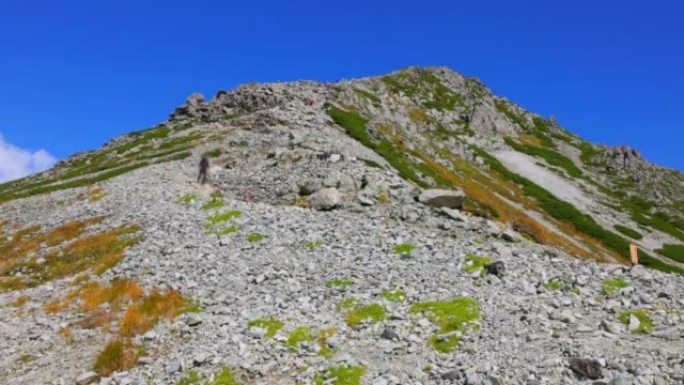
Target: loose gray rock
[
  {"x": 87, "y": 378},
  {"x": 442, "y": 198},
  {"x": 326, "y": 199}
]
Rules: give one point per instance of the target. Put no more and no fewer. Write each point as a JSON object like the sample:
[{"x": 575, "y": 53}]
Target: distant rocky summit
[{"x": 411, "y": 228}]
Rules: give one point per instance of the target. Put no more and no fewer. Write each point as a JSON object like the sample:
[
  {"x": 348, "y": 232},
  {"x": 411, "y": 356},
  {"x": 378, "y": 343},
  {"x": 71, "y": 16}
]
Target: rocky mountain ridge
[{"x": 405, "y": 229}]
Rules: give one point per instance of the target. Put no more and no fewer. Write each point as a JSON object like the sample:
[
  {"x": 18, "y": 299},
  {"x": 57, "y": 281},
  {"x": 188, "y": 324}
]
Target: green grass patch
[
  {"x": 223, "y": 217},
  {"x": 215, "y": 153},
  {"x": 224, "y": 377},
  {"x": 300, "y": 335},
  {"x": 588, "y": 152},
  {"x": 454, "y": 315},
  {"x": 372, "y": 163},
  {"x": 347, "y": 303},
  {"x": 271, "y": 325},
  {"x": 355, "y": 126},
  {"x": 228, "y": 230},
  {"x": 628, "y": 232},
  {"x": 191, "y": 306},
  {"x": 613, "y": 285},
  {"x": 404, "y": 248},
  {"x": 187, "y": 198},
  {"x": 322, "y": 339},
  {"x": 143, "y": 138},
  {"x": 255, "y": 237},
  {"x": 393, "y": 295},
  {"x": 360, "y": 313},
  {"x": 554, "y": 285},
  {"x": 340, "y": 375},
  {"x": 645, "y": 326},
  {"x": 191, "y": 378},
  {"x": 672, "y": 251},
  {"x": 340, "y": 282},
  {"x": 313, "y": 245},
  {"x": 353, "y": 123},
  {"x": 213, "y": 204},
  {"x": 473, "y": 263}
]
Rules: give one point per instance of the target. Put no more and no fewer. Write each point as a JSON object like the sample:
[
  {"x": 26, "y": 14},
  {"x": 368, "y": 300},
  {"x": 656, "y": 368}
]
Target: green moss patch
[
  {"x": 394, "y": 295},
  {"x": 613, "y": 285},
  {"x": 473, "y": 263},
  {"x": 554, "y": 285},
  {"x": 313, "y": 245},
  {"x": 340, "y": 375},
  {"x": 223, "y": 217},
  {"x": 255, "y": 237},
  {"x": 187, "y": 198},
  {"x": 299, "y": 335},
  {"x": 404, "y": 248},
  {"x": 645, "y": 324},
  {"x": 272, "y": 325},
  {"x": 228, "y": 230},
  {"x": 213, "y": 204},
  {"x": 451, "y": 316},
  {"x": 339, "y": 282},
  {"x": 360, "y": 313},
  {"x": 347, "y": 303}
]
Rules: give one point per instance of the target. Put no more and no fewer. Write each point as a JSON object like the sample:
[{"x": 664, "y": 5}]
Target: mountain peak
[{"x": 412, "y": 215}]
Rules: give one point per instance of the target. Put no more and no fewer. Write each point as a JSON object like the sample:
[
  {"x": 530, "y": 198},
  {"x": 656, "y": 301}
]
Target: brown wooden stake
[{"x": 634, "y": 251}]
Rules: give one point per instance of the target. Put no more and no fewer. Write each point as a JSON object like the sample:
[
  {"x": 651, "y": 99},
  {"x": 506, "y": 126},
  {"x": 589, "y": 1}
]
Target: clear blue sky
[{"x": 74, "y": 74}]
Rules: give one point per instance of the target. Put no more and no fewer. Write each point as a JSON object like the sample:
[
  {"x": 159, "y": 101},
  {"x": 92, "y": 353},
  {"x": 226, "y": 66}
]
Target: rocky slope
[{"x": 311, "y": 258}]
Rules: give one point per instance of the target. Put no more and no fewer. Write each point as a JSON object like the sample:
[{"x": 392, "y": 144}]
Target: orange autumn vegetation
[
  {"x": 143, "y": 315},
  {"x": 118, "y": 355},
  {"x": 96, "y": 252},
  {"x": 120, "y": 291}
]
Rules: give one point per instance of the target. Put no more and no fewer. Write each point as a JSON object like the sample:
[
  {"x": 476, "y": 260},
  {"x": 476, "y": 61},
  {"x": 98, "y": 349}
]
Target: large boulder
[
  {"x": 442, "y": 198},
  {"x": 326, "y": 199}
]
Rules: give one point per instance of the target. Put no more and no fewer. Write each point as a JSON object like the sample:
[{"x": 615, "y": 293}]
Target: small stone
[
  {"x": 389, "y": 334},
  {"x": 496, "y": 268},
  {"x": 564, "y": 316},
  {"x": 451, "y": 375},
  {"x": 87, "y": 378},
  {"x": 509, "y": 235},
  {"x": 193, "y": 320},
  {"x": 634, "y": 323},
  {"x": 622, "y": 379}
]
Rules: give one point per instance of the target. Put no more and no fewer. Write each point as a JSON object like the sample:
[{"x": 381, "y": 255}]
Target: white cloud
[{"x": 17, "y": 162}]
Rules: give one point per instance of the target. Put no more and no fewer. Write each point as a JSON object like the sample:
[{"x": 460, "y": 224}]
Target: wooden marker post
[{"x": 634, "y": 251}]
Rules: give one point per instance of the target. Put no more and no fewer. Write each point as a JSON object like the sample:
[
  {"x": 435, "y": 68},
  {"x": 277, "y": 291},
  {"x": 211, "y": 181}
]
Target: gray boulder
[
  {"x": 326, "y": 199},
  {"x": 442, "y": 198}
]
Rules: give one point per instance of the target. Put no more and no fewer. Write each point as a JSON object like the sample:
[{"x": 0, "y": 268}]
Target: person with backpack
[{"x": 203, "y": 167}]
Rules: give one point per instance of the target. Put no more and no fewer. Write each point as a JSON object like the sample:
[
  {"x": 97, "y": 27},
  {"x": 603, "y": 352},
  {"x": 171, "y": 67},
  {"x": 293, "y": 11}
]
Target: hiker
[{"x": 203, "y": 167}]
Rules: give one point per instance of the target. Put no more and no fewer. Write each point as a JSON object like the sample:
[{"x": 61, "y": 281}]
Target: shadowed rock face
[{"x": 624, "y": 157}]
